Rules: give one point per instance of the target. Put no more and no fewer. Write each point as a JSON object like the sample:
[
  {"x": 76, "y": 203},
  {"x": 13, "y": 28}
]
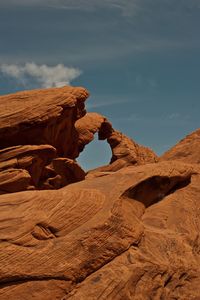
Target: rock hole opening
[{"x": 96, "y": 154}]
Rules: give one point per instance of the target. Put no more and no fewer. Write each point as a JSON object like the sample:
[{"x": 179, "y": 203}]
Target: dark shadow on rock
[{"x": 155, "y": 188}]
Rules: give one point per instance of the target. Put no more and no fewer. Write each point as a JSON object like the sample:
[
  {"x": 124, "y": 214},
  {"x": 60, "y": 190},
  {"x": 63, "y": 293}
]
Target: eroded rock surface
[
  {"x": 125, "y": 151},
  {"x": 35, "y": 128},
  {"x": 129, "y": 231},
  {"x": 187, "y": 150},
  {"x": 42, "y": 117},
  {"x": 100, "y": 240},
  {"x": 42, "y": 132}
]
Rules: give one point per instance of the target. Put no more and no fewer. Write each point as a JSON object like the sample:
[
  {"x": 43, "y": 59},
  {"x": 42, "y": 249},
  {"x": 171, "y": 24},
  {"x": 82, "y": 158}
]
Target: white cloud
[
  {"x": 44, "y": 76},
  {"x": 174, "y": 116},
  {"x": 105, "y": 103}
]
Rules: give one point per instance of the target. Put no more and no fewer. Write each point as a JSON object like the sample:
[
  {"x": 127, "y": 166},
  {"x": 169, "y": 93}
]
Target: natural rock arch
[
  {"x": 42, "y": 133},
  {"x": 125, "y": 151}
]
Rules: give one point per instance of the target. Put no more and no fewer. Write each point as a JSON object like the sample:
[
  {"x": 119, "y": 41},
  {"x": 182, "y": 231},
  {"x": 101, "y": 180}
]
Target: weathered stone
[
  {"x": 129, "y": 231},
  {"x": 100, "y": 240},
  {"x": 187, "y": 150}
]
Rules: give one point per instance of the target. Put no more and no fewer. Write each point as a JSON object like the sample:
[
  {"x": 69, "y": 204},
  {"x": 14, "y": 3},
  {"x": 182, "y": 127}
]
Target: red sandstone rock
[
  {"x": 130, "y": 231},
  {"x": 28, "y": 122},
  {"x": 187, "y": 150},
  {"x": 66, "y": 171},
  {"x": 14, "y": 180},
  {"x": 100, "y": 240},
  {"x": 125, "y": 151},
  {"x": 23, "y": 167},
  {"x": 42, "y": 117}
]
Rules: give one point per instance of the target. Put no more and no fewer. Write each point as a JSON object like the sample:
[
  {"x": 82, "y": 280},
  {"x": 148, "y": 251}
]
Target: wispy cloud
[
  {"x": 172, "y": 118},
  {"x": 142, "y": 82},
  {"x": 126, "y": 7},
  {"x": 43, "y": 75},
  {"x": 105, "y": 103},
  {"x": 176, "y": 116},
  {"x": 71, "y": 4}
]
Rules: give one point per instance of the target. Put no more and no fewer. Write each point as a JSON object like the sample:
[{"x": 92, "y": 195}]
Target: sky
[{"x": 140, "y": 60}]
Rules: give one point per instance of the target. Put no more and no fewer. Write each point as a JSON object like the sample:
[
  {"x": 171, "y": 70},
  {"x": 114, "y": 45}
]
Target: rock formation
[
  {"x": 36, "y": 127},
  {"x": 132, "y": 234},
  {"x": 137, "y": 239},
  {"x": 187, "y": 150},
  {"x": 125, "y": 151},
  {"x": 42, "y": 117},
  {"x": 42, "y": 132}
]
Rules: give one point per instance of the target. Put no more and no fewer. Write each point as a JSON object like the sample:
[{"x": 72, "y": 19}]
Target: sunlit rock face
[
  {"x": 37, "y": 127},
  {"x": 128, "y": 230},
  {"x": 125, "y": 151},
  {"x": 187, "y": 150},
  {"x": 42, "y": 132}
]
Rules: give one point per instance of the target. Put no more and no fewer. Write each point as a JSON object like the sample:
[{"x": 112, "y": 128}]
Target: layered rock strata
[
  {"x": 42, "y": 132},
  {"x": 42, "y": 117},
  {"x": 132, "y": 234},
  {"x": 187, "y": 150},
  {"x": 36, "y": 127},
  {"x": 137, "y": 239}
]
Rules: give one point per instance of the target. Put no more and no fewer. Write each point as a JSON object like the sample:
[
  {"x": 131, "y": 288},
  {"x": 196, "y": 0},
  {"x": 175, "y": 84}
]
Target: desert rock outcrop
[
  {"x": 187, "y": 150},
  {"x": 42, "y": 117},
  {"x": 125, "y": 151},
  {"x": 126, "y": 231},
  {"x": 42, "y": 132},
  {"x": 99, "y": 240},
  {"x": 36, "y": 127}
]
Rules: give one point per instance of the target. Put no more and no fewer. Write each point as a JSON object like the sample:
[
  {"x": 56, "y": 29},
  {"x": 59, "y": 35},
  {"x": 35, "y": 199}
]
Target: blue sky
[{"x": 139, "y": 59}]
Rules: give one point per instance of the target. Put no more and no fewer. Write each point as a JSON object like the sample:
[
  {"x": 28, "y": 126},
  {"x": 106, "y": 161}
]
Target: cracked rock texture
[{"x": 129, "y": 230}]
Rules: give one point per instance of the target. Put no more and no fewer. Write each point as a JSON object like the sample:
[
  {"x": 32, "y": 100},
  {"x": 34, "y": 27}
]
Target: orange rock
[
  {"x": 31, "y": 159},
  {"x": 66, "y": 171},
  {"x": 100, "y": 240},
  {"x": 14, "y": 180},
  {"x": 125, "y": 151},
  {"x": 42, "y": 117},
  {"x": 130, "y": 231},
  {"x": 28, "y": 122},
  {"x": 187, "y": 150}
]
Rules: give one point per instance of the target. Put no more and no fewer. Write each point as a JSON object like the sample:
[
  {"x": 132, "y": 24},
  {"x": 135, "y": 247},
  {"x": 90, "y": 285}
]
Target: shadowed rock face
[
  {"x": 155, "y": 188},
  {"x": 129, "y": 231}
]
